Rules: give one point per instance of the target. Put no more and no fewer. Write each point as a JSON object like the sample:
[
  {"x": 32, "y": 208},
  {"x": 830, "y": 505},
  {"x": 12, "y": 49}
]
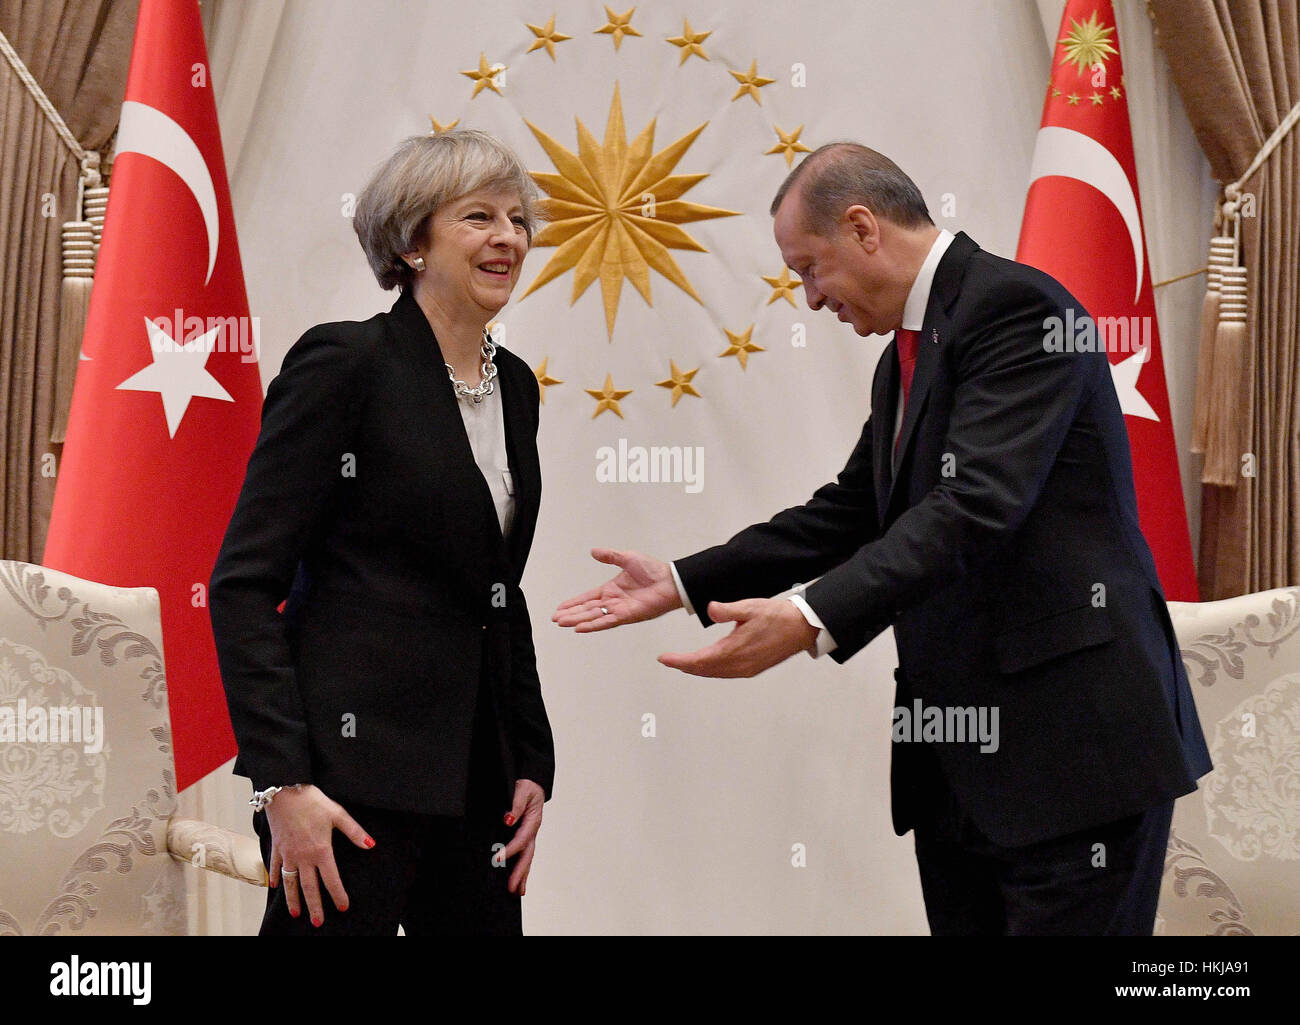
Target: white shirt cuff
[
  {"x": 681, "y": 591},
  {"x": 825, "y": 642}
]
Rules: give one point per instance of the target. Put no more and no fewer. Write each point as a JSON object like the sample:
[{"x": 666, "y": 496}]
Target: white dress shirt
[
  {"x": 918, "y": 298},
  {"x": 485, "y": 426}
]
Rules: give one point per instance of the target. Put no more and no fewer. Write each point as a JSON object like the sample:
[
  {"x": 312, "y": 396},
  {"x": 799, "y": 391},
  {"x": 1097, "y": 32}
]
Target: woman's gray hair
[
  {"x": 839, "y": 175},
  {"x": 424, "y": 173}
]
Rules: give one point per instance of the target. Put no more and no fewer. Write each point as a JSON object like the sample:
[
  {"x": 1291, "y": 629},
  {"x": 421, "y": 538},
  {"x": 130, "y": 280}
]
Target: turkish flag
[
  {"x": 1083, "y": 226},
  {"x": 167, "y": 400}
]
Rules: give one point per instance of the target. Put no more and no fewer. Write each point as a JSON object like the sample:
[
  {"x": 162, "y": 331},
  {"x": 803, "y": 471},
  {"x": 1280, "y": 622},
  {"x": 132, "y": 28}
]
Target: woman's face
[{"x": 476, "y": 247}]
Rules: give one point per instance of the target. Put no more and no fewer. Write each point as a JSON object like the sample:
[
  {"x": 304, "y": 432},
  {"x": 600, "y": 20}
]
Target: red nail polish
[
  {"x": 368, "y": 842},
  {"x": 343, "y": 908},
  {"x": 317, "y": 922},
  {"x": 294, "y": 913},
  {"x": 510, "y": 819}
]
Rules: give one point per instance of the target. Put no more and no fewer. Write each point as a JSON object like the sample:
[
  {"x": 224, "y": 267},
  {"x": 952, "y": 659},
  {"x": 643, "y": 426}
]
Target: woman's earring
[{"x": 418, "y": 263}]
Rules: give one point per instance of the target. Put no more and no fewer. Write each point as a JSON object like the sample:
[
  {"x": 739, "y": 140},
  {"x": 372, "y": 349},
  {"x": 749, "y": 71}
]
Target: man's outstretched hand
[
  {"x": 642, "y": 590},
  {"x": 768, "y": 631}
]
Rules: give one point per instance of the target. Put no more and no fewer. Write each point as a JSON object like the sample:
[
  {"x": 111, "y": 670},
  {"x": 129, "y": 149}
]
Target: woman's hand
[
  {"x": 527, "y": 811},
  {"x": 302, "y": 823},
  {"x": 643, "y": 590}
]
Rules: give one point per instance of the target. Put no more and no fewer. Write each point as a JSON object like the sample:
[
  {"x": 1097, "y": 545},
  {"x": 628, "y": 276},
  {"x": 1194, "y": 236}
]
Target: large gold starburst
[
  {"x": 614, "y": 211},
  {"x": 1087, "y": 43}
]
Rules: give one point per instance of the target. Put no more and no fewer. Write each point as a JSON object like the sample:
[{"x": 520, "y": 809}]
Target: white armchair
[
  {"x": 1233, "y": 866},
  {"x": 88, "y": 839}
]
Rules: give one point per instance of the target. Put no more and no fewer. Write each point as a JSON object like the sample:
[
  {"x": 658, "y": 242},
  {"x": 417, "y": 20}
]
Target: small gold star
[
  {"x": 783, "y": 287},
  {"x": 546, "y": 37},
  {"x": 680, "y": 382},
  {"x": 618, "y": 26},
  {"x": 439, "y": 127},
  {"x": 690, "y": 41},
  {"x": 1096, "y": 99},
  {"x": 789, "y": 144},
  {"x": 608, "y": 397},
  {"x": 1114, "y": 92},
  {"x": 1056, "y": 91},
  {"x": 1072, "y": 99},
  {"x": 485, "y": 77},
  {"x": 544, "y": 380},
  {"x": 741, "y": 346},
  {"x": 750, "y": 82}
]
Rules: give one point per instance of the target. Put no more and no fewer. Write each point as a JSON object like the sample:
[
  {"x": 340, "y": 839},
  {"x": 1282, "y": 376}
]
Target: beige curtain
[
  {"x": 77, "y": 51},
  {"x": 1237, "y": 67}
]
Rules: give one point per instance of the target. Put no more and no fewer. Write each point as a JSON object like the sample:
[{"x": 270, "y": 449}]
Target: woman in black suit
[{"x": 390, "y": 503}]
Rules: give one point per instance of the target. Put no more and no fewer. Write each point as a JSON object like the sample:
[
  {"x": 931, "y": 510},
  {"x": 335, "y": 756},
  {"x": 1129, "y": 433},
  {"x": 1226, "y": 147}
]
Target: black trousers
[
  {"x": 1102, "y": 881},
  {"x": 434, "y": 875}
]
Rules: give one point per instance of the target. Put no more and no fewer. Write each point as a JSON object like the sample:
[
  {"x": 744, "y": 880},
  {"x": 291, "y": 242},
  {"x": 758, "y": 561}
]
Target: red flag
[
  {"x": 1083, "y": 226},
  {"x": 167, "y": 400}
]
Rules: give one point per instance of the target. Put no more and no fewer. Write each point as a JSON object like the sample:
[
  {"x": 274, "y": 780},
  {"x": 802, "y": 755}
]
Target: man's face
[{"x": 840, "y": 271}]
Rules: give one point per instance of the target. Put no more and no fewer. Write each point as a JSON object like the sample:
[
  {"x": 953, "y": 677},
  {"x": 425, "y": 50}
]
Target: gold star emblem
[
  {"x": 783, "y": 287},
  {"x": 689, "y": 42},
  {"x": 1114, "y": 92},
  {"x": 1056, "y": 91},
  {"x": 1072, "y": 99},
  {"x": 1087, "y": 43},
  {"x": 750, "y": 82},
  {"x": 789, "y": 144},
  {"x": 546, "y": 37},
  {"x": 439, "y": 127},
  {"x": 1096, "y": 99},
  {"x": 741, "y": 346},
  {"x": 485, "y": 77},
  {"x": 680, "y": 382},
  {"x": 544, "y": 380},
  {"x": 618, "y": 26},
  {"x": 614, "y": 210},
  {"x": 608, "y": 397}
]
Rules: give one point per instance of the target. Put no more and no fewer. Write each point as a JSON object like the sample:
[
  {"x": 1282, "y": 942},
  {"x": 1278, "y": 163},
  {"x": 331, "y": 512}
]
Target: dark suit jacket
[
  {"x": 1005, "y": 552},
  {"x": 364, "y": 508}
]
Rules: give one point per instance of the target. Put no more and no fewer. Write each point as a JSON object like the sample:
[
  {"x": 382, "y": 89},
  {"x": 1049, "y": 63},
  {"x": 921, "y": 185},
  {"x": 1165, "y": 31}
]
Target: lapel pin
[{"x": 934, "y": 335}]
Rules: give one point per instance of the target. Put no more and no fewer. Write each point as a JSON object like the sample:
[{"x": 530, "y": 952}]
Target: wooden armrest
[{"x": 204, "y": 845}]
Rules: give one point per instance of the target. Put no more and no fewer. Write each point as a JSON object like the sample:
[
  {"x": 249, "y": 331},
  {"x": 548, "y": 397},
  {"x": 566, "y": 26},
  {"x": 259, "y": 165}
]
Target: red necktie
[{"x": 907, "y": 342}]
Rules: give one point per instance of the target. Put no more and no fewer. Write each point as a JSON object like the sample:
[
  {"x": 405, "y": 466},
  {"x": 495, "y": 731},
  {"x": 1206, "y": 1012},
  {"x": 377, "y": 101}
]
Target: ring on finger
[{"x": 292, "y": 873}]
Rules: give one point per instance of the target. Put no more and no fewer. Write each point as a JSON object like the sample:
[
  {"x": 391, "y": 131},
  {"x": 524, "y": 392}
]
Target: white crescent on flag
[
  {"x": 1064, "y": 153},
  {"x": 151, "y": 133}
]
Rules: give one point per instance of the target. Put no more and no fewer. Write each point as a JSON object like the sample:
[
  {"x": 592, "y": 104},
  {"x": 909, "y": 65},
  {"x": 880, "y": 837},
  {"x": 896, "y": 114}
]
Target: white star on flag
[
  {"x": 1125, "y": 376},
  {"x": 178, "y": 373}
]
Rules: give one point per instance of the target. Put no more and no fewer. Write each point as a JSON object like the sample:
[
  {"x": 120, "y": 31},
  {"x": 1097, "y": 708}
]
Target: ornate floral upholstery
[
  {"x": 87, "y": 782},
  {"x": 1233, "y": 866}
]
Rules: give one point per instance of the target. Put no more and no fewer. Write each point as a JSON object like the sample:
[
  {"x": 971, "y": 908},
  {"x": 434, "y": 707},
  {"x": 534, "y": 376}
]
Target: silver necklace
[{"x": 488, "y": 370}]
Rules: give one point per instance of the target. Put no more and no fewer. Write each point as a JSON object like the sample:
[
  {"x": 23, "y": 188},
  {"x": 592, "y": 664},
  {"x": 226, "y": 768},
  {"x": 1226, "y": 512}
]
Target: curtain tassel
[
  {"x": 81, "y": 240},
  {"x": 1225, "y": 409}
]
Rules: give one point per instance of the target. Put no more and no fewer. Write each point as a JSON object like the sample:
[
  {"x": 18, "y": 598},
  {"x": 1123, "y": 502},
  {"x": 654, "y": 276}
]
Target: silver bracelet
[{"x": 261, "y": 798}]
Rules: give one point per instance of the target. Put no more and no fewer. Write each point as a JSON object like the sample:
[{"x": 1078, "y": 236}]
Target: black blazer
[
  {"x": 1005, "y": 552},
  {"x": 363, "y": 510}
]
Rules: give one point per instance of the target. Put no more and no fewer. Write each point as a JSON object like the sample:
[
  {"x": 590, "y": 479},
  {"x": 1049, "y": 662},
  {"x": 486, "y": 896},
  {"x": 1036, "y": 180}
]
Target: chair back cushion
[
  {"x": 87, "y": 781},
  {"x": 1233, "y": 865}
]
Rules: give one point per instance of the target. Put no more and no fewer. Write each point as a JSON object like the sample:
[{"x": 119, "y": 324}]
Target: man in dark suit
[{"x": 988, "y": 514}]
